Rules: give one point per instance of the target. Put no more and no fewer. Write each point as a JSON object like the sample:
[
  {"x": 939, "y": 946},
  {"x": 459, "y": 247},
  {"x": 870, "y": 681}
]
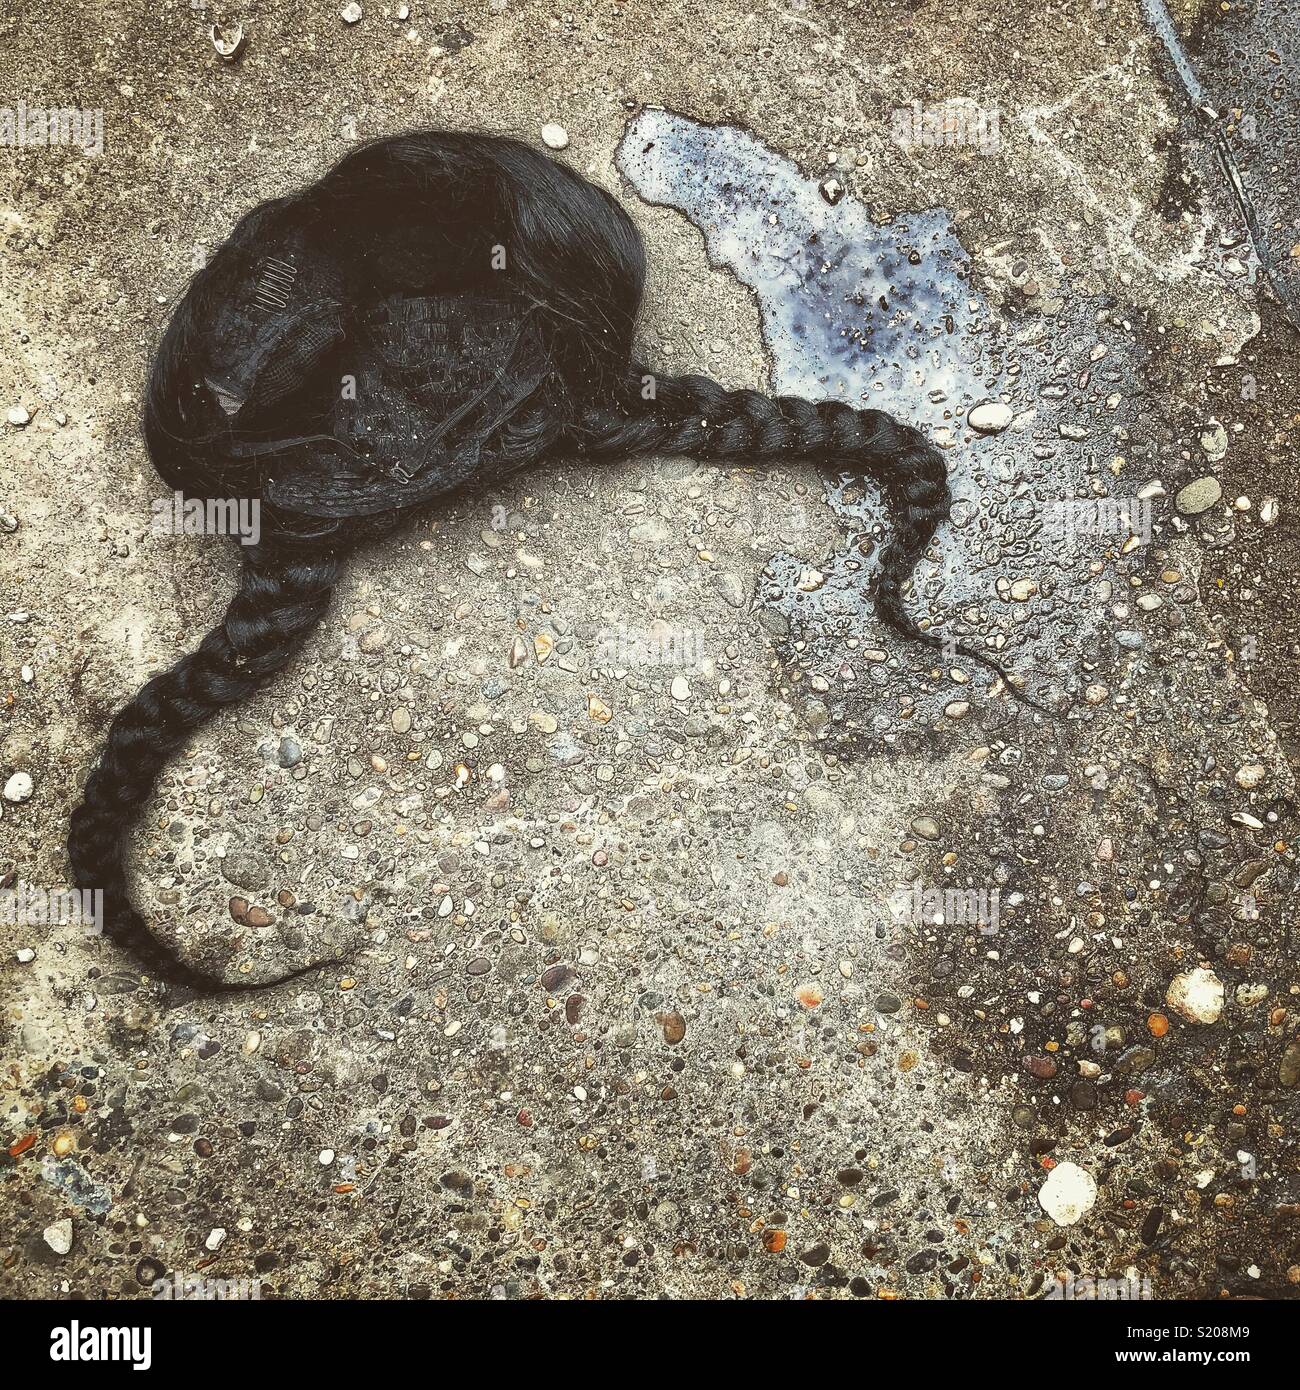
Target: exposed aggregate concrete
[{"x": 623, "y": 1003}]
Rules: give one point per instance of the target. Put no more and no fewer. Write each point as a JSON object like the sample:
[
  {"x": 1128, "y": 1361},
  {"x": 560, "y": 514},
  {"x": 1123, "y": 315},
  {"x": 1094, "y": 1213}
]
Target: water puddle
[
  {"x": 885, "y": 314},
  {"x": 847, "y": 306}
]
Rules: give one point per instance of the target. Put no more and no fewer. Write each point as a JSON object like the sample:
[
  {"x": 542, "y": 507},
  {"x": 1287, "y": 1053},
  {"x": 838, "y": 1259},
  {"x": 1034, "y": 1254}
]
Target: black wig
[{"x": 438, "y": 309}]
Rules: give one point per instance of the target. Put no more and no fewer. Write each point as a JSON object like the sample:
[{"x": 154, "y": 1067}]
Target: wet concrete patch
[{"x": 1054, "y": 479}]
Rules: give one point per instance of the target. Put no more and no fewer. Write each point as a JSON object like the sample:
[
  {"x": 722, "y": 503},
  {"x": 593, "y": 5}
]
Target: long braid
[
  {"x": 284, "y": 591},
  {"x": 696, "y": 417},
  {"x": 385, "y": 272}
]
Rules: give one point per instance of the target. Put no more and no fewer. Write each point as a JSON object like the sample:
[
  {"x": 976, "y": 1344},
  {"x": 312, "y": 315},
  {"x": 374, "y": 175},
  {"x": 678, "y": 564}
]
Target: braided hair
[{"x": 438, "y": 309}]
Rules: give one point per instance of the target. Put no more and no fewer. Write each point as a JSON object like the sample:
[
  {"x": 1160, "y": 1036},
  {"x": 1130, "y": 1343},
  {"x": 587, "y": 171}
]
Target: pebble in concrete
[{"x": 1068, "y": 1194}]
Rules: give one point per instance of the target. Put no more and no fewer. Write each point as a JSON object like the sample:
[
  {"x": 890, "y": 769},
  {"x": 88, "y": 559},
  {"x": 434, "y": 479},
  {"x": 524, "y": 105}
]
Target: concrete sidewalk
[{"x": 629, "y": 821}]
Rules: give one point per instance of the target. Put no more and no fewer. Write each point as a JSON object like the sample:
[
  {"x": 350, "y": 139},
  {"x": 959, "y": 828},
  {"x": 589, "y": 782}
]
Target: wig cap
[
  {"x": 439, "y": 309},
  {"x": 435, "y": 309}
]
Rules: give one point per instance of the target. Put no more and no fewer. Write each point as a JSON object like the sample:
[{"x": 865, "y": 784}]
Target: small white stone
[
  {"x": 228, "y": 42},
  {"x": 1197, "y": 995},
  {"x": 681, "y": 688},
  {"x": 59, "y": 1236},
  {"x": 350, "y": 13},
  {"x": 555, "y": 137},
  {"x": 18, "y": 416},
  {"x": 25, "y": 955},
  {"x": 1068, "y": 1194},
  {"x": 326, "y": 1157},
  {"x": 1251, "y": 775},
  {"x": 990, "y": 417},
  {"x": 18, "y": 787},
  {"x": 216, "y": 1238}
]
